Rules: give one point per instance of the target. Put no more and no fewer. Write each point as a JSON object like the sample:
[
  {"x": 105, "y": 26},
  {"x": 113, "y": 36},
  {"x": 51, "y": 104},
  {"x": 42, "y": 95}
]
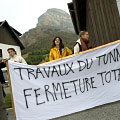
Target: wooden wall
[
  {"x": 80, "y": 13},
  {"x": 102, "y": 21},
  {"x": 6, "y": 37}
]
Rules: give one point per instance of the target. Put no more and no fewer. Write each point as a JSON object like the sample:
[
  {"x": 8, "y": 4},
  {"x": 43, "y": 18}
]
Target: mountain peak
[
  {"x": 56, "y": 18},
  {"x": 57, "y": 11}
]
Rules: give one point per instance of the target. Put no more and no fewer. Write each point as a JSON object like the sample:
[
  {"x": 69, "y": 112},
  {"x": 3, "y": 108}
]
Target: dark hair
[
  {"x": 61, "y": 44},
  {"x": 12, "y": 50}
]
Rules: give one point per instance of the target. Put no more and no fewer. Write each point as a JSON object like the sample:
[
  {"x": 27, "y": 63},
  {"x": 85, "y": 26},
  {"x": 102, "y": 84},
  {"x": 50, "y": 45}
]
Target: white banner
[{"x": 66, "y": 86}]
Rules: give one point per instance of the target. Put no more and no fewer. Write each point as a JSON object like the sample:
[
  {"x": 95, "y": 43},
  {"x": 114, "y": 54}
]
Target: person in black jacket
[
  {"x": 3, "y": 114},
  {"x": 2, "y": 80}
]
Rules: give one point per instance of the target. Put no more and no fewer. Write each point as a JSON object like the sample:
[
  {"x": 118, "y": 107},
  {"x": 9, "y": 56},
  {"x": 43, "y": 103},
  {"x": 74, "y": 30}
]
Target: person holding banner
[
  {"x": 14, "y": 57},
  {"x": 3, "y": 114},
  {"x": 58, "y": 50},
  {"x": 2, "y": 80},
  {"x": 83, "y": 43}
]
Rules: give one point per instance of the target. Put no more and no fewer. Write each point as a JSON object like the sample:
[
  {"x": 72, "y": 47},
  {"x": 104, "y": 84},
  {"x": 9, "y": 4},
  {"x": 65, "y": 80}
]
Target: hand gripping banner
[{"x": 66, "y": 86}]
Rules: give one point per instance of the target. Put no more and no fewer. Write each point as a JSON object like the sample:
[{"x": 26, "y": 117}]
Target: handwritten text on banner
[{"x": 66, "y": 86}]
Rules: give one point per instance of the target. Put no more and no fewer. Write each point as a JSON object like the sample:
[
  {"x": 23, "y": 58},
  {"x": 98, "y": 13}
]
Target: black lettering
[
  {"x": 30, "y": 71},
  {"x": 119, "y": 75},
  {"x": 92, "y": 82},
  {"x": 47, "y": 73},
  {"x": 87, "y": 64},
  {"x": 105, "y": 59},
  {"x": 74, "y": 85},
  {"x": 87, "y": 83},
  {"x": 82, "y": 84},
  {"x": 102, "y": 76},
  {"x": 54, "y": 71},
  {"x": 70, "y": 68},
  {"x": 65, "y": 89},
  {"x": 56, "y": 89},
  {"x": 25, "y": 95},
  {"x": 114, "y": 71},
  {"x": 46, "y": 92},
  {"x": 81, "y": 65},
  {"x": 99, "y": 63},
  {"x": 115, "y": 74},
  {"x": 61, "y": 70},
  {"x": 39, "y": 71},
  {"x": 118, "y": 54},
  {"x": 108, "y": 74},
  {"x": 36, "y": 95},
  {"x": 20, "y": 72},
  {"x": 112, "y": 57}
]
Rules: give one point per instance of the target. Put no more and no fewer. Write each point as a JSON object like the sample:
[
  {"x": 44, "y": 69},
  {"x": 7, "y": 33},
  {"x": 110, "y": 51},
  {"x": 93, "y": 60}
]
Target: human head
[
  {"x": 57, "y": 41},
  {"x": 11, "y": 51},
  {"x": 84, "y": 34}
]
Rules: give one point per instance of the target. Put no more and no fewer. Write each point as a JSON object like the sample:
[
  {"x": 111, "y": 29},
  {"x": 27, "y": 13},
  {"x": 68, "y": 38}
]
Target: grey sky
[
  {"x": 118, "y": 3},
  {"x": 23, "y": 14}
]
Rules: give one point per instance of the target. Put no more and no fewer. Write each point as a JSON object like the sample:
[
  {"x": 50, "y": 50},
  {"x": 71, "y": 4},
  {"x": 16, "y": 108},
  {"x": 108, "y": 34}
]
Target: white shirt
[
  {"x": 19, "y": 59},
  {"x": 76, "y": 47}
]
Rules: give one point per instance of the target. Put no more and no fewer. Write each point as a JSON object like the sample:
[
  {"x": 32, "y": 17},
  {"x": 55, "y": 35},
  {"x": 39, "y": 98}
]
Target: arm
[
  {"x": 69, "y": 52},
  {"x": 76, "y": 49},
  {"x": 22, "y": 60},
  {"x": 51, "y": 57}
]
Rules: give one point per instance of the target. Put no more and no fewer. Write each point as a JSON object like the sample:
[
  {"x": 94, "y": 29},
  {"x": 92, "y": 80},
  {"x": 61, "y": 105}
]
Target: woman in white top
[{"x": 14, "y": 57}]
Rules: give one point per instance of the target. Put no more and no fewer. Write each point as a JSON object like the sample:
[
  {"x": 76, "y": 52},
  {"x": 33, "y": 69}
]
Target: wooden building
[
  {"x": 99, "y": 17},
  {"x": 9, "y": 38}
]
